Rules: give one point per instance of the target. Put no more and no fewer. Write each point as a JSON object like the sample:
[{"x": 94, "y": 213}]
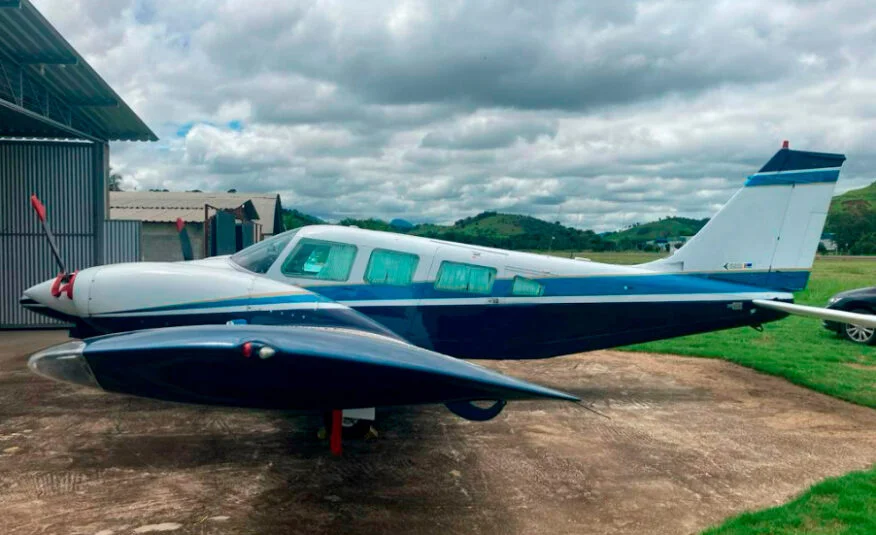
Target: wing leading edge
[{"x": 293, "y": 368}]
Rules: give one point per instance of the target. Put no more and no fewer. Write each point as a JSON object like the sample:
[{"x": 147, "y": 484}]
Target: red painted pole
[{"x": 337, "y": 429}]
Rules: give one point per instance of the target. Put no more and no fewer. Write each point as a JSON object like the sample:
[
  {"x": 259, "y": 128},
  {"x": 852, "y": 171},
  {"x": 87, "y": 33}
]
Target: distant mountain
[
  {"x": 670, "y": 227},
  {"x": 294, "y": 219},
  {"x": 511, "y": 231},
  {"x": 401, "y": 224}
]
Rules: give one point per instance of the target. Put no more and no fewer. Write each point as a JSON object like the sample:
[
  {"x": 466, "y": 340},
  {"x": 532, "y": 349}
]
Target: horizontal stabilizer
[
  {"x": 839, "y": 316},
  {"x": 294, "y": 368}
]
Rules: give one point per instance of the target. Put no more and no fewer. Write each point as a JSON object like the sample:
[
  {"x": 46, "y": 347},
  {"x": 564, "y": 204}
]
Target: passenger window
[
  {"x": 526, "y": 287},
  {"x": 391, "y": 267},
  {"x": 320, "y": 260},
  {"x": 465, "y": 278}
]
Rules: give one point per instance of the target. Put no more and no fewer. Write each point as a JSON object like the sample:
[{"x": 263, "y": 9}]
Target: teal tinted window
[
  {"x": 465, "y": 278},
  {"x": 526, "y": 287},
  {"x": 391, "y": 267},
  {"x": 321, "y": 260}
]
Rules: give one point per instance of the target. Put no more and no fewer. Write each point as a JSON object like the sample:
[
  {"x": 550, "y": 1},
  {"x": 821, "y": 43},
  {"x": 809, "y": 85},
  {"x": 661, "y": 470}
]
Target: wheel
[
  {"x": 858, "y": 334},
  {"x": 353, "y": 428}
]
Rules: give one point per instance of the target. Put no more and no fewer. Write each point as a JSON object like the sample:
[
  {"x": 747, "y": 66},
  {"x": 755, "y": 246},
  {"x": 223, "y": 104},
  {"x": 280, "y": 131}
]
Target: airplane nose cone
[
  {"x": 41, "y": 293},
  {"x": 39, "y": 299},
  {"x": 64, "y": 362}
]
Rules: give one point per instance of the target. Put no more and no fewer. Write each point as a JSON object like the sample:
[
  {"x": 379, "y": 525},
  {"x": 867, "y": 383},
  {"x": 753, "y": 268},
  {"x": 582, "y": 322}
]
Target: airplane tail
[{"x": 768, "y": 232}]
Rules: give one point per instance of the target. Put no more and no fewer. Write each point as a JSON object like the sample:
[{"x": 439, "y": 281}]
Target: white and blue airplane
[{"x": 328, "y": 317}]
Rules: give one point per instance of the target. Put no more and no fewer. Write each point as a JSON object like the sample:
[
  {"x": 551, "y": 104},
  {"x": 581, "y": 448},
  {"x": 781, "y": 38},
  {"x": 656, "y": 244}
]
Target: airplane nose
[
  {"x": 39, "y": 298},
  {"x": 64, "y": 362}
]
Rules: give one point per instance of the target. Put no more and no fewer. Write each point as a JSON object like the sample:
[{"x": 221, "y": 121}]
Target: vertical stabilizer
[{"x": 768, "y": 232}]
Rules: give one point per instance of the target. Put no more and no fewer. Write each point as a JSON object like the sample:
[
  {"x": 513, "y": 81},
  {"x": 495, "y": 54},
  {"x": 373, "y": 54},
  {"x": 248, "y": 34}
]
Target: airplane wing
[
  {"x": 839, "y": 316},
  {"x": 279, "y": 367}
]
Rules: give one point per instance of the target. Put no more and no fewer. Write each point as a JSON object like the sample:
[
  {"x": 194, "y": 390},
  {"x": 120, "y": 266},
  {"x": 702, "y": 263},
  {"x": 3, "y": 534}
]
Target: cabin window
[
  {"x": 521, "y": 286},
  {"x": 391, "y": 267},
  {"x": 321, "y": 260},
  {"x": 457, "y": 277}
]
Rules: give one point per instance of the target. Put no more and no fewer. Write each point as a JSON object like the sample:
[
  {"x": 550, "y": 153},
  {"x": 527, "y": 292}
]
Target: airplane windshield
[{"x": 259, "y": 257}]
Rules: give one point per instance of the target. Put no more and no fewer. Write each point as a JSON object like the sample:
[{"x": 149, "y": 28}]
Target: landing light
[{"x": 64, "y": 363}]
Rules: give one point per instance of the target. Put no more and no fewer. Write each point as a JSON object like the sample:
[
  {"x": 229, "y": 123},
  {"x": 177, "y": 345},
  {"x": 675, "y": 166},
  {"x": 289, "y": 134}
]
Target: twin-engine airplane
[{"x": 328, "y": 317}]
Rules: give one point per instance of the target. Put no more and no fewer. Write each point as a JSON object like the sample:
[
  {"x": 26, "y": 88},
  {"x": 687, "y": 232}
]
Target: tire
[
  {"x": 354, "y": 429},
  {"x": 857, "y": 334}
]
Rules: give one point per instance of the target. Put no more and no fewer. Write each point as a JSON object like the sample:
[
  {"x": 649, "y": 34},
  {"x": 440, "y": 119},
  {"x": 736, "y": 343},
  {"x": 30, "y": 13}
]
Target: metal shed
[{"x": 57, "y": 116}]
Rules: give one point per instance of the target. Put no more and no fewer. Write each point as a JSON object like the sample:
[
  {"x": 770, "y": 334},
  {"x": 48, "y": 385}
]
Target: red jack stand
[{"x": 335, "y": 435}]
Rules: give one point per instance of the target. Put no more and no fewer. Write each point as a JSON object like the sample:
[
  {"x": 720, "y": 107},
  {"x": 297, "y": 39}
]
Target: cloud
[{"x": 596, "y": 114}]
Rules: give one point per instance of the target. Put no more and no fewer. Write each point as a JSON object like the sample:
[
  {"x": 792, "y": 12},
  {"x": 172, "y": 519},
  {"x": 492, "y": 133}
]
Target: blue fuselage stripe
[
  {"x": 656, "y": 284},
  {"x": 554, "y": 287}
]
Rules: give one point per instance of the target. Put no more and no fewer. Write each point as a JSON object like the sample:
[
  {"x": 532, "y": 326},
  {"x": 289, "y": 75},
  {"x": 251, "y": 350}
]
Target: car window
[
  {"x": 321, "y": 260},
  {"x": 453, "y": 276},
  {"x": 391, "y": 267}
]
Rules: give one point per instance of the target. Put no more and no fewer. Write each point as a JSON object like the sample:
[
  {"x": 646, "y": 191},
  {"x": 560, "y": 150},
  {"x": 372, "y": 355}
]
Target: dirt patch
[
  {"x": 865, "y": 367},
  {"x": 687, "y": 443}
]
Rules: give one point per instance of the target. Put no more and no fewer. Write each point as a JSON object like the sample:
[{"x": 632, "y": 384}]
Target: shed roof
[
  {"x": 48, "y": 90},
  {"x": 167, "y": 206}
]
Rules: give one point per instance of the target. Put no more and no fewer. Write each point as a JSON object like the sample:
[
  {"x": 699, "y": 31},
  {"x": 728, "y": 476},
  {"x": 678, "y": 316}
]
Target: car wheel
[{"x": 857, "y": 333}]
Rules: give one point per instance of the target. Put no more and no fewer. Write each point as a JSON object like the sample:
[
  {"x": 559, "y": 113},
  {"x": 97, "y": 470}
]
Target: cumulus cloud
[{"x": 597, "y": 114}]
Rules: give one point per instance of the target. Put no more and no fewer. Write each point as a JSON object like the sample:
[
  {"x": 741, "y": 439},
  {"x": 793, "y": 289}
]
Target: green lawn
[
  {"x": 798, "y": 349},
  {"x": 843, "y": 505}
]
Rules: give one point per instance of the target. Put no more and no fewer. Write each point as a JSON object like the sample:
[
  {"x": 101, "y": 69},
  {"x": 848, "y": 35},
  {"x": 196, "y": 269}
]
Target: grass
[
  {"x": 843, "y": 505},
  {"x": 795, "y": 348},
  {"x": 803, "y": 352}
]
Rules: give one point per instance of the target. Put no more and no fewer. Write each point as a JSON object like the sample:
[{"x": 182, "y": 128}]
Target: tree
[
  {"x": 114, "y": 182},
  {"x": 851, "y": 226},
  {"x": 865, "y": 245}
]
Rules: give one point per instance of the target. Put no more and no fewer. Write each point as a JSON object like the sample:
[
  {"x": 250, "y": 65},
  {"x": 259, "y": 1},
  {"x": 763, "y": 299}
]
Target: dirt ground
[{"x": 688, "y": 443}]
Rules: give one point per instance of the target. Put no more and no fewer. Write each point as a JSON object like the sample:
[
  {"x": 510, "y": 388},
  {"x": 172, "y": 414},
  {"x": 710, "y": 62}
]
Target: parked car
[{"x": 861, "y": 301}]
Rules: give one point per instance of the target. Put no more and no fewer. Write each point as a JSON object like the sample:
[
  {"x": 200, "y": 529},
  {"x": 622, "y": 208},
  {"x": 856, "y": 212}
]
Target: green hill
[
  {"x": 511, "y": 231},
  {"x": 294, "y": 219},
  {"x": 506, "y": 231},
  {"x": 854, "y": 200},
  {"x": 669, "y": 227},
  {"x": 852, "y": 220}
]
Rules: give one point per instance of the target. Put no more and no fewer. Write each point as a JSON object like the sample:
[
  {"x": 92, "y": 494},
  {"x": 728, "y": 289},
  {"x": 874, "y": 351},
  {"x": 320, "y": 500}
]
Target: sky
[{"x": 596, "y": 114}]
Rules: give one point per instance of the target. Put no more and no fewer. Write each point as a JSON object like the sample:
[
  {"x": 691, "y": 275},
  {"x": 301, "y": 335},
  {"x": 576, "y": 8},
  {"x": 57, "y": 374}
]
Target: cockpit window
[
  {"x": 322, "y": 260},
  {"x": 259, "y": 257}
]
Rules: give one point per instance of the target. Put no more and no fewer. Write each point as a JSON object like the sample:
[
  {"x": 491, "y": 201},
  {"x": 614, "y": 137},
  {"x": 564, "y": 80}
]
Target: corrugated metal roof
[
  {"x": 167, "y": 206},
  {"x": 33, "y": 44}
]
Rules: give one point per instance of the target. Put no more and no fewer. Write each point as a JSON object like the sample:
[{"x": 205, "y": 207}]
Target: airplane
[{"x": 332, "y": 318}]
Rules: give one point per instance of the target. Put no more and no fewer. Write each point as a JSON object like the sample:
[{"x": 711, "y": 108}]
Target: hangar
[
  {"x": 253, "y": 217},
  {"x": 57, "y": 117}
]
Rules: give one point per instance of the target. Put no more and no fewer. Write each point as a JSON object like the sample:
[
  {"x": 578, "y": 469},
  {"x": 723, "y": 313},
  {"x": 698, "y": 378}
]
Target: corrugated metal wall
[
  {"x": 121, "y": 241},
  {"x": 69, "y": 178}
]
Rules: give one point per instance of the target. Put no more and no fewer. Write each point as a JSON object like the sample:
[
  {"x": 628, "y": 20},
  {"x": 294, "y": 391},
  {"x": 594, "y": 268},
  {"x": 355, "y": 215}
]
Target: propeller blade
[
  {"x": 40, "y": 210},
  {"x": 184, "y": 240}
]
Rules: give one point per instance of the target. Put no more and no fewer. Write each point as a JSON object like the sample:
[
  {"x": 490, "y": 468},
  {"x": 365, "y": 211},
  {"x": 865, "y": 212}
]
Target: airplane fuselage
[{"x": 460, "y": 300}]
